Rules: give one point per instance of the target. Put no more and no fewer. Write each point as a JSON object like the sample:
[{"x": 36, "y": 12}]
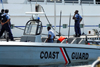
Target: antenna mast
[{"x": 55, "y": 17}]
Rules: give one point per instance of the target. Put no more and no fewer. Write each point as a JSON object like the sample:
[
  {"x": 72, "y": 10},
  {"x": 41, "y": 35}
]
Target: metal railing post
[
  {"x": 45, "y": 1},
  {"x": 79, "y": 2},
  {"x": 94, "y": 1},
  {"x": 73, "y": 2},
  {"x": 63, "y": 2}
]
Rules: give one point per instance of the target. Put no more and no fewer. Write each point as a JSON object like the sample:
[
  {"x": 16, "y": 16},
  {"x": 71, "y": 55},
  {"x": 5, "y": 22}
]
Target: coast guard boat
[{"x": 32, "y": 49}]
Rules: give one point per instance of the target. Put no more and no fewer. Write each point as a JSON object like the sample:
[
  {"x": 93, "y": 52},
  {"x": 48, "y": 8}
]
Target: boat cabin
[{"x": 32, "y": 32}]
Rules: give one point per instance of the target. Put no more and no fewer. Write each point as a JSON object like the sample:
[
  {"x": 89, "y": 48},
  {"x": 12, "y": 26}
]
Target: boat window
[
  {"x": 71, "y": 1},
  {"x": 39, "y": 28},
  {"x": 27, "y": 31},
  {"x": 65, "y": 25},
  {"x": 36, "y": 0},
  {"x": 58, "y": 1},
  {"x": 87, "y": 1},
  {"x": 31, "y": 29}
]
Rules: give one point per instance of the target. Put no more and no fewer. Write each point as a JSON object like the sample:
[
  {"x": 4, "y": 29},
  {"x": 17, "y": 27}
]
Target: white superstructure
[{"x": 89, "y": 10}]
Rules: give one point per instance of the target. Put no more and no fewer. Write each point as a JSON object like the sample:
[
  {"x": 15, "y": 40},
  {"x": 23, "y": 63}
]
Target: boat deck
[{"x": 17, "y": 39}]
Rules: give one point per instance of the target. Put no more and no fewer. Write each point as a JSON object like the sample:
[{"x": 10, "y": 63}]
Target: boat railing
[
  {"x": 65, "y": 2},
  {"x": 98, "y": 2},
  {"x": 52, "y": 1}
]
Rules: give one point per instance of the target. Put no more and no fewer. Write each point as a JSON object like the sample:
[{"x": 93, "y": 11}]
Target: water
[{"x": 56, "y": 65}]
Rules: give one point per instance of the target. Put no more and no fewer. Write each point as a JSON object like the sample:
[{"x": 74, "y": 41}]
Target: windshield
[{"x": 30, "y": 29}]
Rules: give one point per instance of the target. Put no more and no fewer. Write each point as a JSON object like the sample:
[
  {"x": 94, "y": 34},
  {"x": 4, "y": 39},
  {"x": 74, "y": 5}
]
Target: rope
[
  {"x": 18, "y": 28},
  {"x": 49, "y": 21}
]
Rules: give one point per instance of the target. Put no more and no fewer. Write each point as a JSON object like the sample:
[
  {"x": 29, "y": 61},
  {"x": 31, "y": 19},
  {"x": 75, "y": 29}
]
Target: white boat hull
[{"x": 17, "y": 53}]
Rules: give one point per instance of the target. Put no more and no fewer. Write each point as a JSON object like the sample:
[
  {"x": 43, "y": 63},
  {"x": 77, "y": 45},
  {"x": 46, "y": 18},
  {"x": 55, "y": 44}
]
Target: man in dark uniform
[
  {"x": 77, "y": 19},
  {"x": 5, "y": 25},
  {"x": 1, "y": 13},
  {"x": 8, "y": 16}
]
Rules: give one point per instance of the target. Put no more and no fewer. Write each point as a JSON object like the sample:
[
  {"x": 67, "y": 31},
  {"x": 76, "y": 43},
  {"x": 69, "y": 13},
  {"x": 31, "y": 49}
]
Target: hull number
[{"x": 49, "y": 55}]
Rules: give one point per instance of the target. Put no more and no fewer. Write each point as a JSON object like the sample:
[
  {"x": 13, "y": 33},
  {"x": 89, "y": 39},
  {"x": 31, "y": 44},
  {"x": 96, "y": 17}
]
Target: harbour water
[{"x": 81, "y": 64}]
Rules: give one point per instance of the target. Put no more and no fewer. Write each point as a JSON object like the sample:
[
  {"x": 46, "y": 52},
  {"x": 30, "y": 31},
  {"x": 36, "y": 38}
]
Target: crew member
[
  {"x": 77, "y": 19},
  {"x": 51, "y": 35},
  {"x": 9, "y": 17},
  {"x": 1, "y": 13},
  {"x": 8, "y": 22},
  {"x": 5, "y": 25}
]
